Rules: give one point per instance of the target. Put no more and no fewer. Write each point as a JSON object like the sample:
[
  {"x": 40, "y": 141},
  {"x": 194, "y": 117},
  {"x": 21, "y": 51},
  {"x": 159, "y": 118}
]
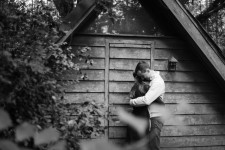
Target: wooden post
[{"x": 107, "y": 85}]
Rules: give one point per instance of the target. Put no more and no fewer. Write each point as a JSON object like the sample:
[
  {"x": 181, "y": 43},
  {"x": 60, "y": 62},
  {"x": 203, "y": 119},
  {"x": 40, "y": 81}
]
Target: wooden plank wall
[{"x": 199, "y": 124}]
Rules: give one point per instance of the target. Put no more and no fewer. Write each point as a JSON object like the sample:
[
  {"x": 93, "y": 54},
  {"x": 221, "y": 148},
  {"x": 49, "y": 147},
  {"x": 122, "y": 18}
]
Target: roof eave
[
  {"x": 78, "y": 16},
  {"x": 206, "y": 47}
]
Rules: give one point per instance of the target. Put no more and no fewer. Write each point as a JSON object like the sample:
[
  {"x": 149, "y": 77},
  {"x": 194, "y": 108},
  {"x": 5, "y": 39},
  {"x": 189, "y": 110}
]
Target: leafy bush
[
  {"x": 24, "y": 132},
  {"x": 30, "y": 64},
  {"x": 88, "y": 122},
  {"x": 82, "y": 121}
]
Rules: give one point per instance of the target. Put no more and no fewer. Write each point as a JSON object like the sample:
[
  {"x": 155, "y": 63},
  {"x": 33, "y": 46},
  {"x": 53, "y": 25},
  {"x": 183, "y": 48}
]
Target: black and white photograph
[{"x": 112, "y": 74}]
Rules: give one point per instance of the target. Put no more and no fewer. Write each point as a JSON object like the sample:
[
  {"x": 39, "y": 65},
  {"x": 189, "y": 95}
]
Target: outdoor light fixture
[{"x": 172, "y": 64}]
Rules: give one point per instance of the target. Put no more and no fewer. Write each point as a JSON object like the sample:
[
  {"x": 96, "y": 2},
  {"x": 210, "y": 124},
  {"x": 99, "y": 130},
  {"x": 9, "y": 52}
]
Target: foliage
[
  {"x": 26, "y": 131},
  {"x": 211, "y": 15},
  {"x": 88, "y": 122},
  {"x": 82, "y": 121},
  {"x": 50, "y": 138},
  {"x": 30, "y": 64},
  {"x": 27, "y": 79},
  {"x": 64, "y": 7}
]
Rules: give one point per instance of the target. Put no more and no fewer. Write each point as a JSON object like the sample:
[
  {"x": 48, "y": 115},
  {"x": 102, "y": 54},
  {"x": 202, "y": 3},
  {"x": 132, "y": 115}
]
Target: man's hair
[
  {"x": 141, "y": 68},
  {"x": 140, "y": 88}
]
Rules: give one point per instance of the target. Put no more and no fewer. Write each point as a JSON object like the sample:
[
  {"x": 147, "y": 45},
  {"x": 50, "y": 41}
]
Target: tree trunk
[{"x": 64, "y": 6}]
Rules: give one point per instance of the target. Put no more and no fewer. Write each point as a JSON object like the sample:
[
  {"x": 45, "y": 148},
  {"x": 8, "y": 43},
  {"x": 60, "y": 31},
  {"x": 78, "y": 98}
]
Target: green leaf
[
  {"x": 61, "y": 145},
  {"x": 8, "y": 145},
  {"x": 25, "y": 131},
  {"x": 5, "y": 120},
  {"x": 46, "y": 136}
]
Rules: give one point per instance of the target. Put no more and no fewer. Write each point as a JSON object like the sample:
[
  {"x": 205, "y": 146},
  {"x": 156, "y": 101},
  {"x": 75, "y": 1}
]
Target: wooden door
[{"x": 121, "y": 59}]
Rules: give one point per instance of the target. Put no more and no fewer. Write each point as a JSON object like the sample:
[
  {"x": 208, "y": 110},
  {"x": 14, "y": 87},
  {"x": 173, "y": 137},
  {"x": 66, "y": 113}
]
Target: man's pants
[{"x": 154, "y": 133}]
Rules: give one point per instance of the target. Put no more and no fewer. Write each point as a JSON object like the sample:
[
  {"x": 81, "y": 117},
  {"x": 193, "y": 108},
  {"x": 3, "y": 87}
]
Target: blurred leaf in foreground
[
  {"x": 61, "y": 145},
  {"x": 138, "y": 124},
  {"x": 5, "y": 120},
  {"x": 25, "y": 131},
  {"x": 8, "y": 145},
  {"x": 101, "y": 144},
  {"x": 46, "y": 136},
  {"x": 184, "y": 107}
]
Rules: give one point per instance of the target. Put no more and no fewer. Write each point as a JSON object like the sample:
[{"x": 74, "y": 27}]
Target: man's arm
[{"x": 156, "y": 89}]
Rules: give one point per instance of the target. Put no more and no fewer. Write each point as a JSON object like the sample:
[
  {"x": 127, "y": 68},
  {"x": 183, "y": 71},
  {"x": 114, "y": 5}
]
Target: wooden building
[{"x": 153, "y": 31}]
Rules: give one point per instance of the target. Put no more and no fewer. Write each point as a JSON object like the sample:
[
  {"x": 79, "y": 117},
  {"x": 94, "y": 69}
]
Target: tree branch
[{"x": 212, "y": 9}]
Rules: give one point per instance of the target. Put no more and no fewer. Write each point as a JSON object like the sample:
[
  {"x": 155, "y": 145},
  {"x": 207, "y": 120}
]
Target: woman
[{"x": 139, "y": 88}]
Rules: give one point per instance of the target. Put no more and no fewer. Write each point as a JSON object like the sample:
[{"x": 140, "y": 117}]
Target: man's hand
[{"x": 132, "y": 102}]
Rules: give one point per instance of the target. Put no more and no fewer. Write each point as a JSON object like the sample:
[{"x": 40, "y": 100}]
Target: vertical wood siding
[{"x": 199, "y": 126}]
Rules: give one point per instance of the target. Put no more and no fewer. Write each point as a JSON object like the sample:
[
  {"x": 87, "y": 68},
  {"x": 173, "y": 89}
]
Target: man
[{"x": 153, "y": 98}]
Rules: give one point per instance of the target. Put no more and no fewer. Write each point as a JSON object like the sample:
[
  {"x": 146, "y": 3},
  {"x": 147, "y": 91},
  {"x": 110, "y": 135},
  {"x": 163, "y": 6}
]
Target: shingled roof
[{"x": 177, "y": 15}]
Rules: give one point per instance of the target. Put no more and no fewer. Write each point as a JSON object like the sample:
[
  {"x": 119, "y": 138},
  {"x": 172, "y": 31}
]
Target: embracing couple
[{"x": 146, "y": 98}]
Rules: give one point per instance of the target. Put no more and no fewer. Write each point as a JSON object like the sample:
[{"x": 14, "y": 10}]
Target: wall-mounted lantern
[{"x": 172, "y": 64}]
